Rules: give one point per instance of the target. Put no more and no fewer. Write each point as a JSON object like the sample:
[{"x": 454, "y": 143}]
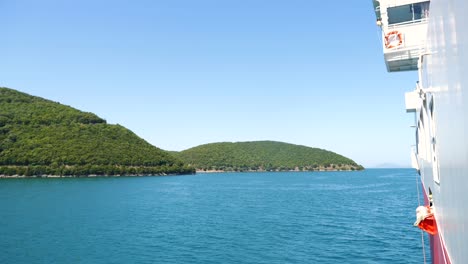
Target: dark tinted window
[{"x": 408, "y": 13}]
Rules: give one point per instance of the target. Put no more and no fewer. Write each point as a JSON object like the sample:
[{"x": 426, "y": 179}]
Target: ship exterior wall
[{"x": 444, "y": 156}]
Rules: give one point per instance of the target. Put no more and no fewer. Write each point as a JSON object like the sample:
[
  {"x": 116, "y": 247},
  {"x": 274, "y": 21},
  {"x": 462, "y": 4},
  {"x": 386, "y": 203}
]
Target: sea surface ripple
[{"x": 280, "y": 217}]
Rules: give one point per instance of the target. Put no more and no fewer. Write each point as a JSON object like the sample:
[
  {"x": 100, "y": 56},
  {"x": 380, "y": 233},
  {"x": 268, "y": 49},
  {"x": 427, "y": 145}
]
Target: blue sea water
[{"x": 281, "y": 217}]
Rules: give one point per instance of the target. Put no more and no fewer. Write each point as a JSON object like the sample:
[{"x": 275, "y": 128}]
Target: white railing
[{"x": 422, "y": 20}]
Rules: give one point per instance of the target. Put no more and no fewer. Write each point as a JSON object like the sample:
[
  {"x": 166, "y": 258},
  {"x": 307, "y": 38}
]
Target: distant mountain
[
  {"x": 41, "y": 137},
  {"x": 263, "y": 156}
]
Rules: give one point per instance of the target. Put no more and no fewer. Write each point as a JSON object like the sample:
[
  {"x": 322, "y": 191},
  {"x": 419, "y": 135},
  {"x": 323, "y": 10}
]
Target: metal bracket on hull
[
  {"x": 420, "y": 62},
  {"x": 415, "y": 99}
]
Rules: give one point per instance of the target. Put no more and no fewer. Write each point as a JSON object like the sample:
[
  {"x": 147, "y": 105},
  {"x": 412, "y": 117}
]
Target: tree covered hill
[
  {"x": 264, "y": 155},
  {"x": 41, "y": 137}
]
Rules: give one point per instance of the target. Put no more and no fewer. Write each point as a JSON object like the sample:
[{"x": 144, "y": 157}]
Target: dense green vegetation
[
  {"x": 264, "y": 155},
  {"x": 41, "y": 137}
]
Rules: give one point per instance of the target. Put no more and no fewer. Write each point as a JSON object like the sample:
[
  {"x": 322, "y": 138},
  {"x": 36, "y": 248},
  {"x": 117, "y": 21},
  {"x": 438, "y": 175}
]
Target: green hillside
[
  {"x": 264, "y": 155},
  {"x": 41, "y": 137}
]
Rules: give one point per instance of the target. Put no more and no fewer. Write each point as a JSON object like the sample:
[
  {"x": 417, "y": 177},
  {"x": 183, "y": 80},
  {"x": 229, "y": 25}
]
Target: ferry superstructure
[{"x": 431, "y": 38}]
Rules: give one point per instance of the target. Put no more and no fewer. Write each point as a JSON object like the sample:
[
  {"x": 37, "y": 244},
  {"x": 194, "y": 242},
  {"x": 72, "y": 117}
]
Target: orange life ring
[{"x": 393, "y": 39}]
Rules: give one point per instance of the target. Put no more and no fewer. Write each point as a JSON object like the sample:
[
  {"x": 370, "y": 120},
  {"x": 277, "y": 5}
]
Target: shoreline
[
  {"x": 84, "y": 176},
  {"x": 162, "y": 174},
  {"x": 319, "y": 170}
]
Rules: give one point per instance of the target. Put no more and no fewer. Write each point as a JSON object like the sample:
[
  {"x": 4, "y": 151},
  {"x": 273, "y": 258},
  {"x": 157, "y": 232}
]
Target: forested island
[
  {"x": 39, "y": 137},
  {"x": 264, "y": 156}
]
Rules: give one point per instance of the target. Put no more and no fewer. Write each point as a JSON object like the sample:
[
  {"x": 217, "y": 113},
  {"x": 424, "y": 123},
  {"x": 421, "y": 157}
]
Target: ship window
[
  {"x": 417, "y": 141},
  {"x": 408, "y": 13},
  {"x": 421, "y": 118},
  {"x": 431, "y": 107}
]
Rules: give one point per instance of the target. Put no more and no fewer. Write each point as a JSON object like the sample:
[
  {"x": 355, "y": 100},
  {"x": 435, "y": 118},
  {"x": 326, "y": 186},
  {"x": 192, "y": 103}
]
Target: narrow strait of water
[{"x": 282, "y": 217}]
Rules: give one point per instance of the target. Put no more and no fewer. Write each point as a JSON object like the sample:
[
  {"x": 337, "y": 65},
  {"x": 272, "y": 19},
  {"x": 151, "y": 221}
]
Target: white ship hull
[
  {"x": 442, "y": 124},
  {"x": 432, "y": 38}
]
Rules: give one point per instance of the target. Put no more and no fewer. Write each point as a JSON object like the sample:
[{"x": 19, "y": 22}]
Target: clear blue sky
[{"x": 180, "y": 73}]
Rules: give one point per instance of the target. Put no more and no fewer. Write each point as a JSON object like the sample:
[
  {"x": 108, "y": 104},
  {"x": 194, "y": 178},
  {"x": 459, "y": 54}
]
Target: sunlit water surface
[{"x": 282, "y": 217}]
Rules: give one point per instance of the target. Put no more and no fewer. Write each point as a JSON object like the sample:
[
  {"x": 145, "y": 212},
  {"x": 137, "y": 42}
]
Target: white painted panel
[{"x": 446, "y": 73}]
